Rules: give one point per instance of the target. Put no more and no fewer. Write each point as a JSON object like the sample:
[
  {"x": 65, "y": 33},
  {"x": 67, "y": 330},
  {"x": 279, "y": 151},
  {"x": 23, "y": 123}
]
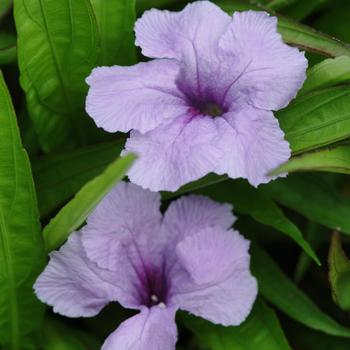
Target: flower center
[
  {"x": 155, "y": 301},
  {"x": 154, "y": 288},
  {"x": 212, "y": 109}
]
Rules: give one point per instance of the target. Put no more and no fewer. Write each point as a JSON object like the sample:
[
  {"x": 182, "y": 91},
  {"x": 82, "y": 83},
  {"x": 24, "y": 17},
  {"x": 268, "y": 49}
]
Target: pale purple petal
[
  {"x": 164, "y": 34},
  {"x": 255, "y": 145},
  {"x": 152, "y": 329},
  {"x": 177, "y": 153},
  {"x": 271, "y": 71},
  {"x": 76, "y": 287},
  {"x": 219, "y": 286},
  {"x": 209, "y": 256},
  {"x": 126, "y": 207},
  {"x": 190, "y": 214},
  {"x": 124, "y": 235},
  {"x": 140, "y": 97}
]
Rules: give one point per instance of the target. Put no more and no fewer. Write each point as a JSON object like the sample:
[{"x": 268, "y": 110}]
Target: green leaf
[
  {"x": 313, "y": 198},
  {"x": 116, "y": 20},
  {"x": 58, "y": 176},
  {"x": 309, "y": 39},
  {"x": 279, "y": 290},
  {"x": 298, "y": 9},
  {"x": 297, "y": 34},
  {"x": 260, "y": 331},
  {"x": 278, "y": 5},
  {"x": 203, "y": 182},
  {"x": 314, "y": 235},
  {"x": 339, "y": 272},
  {"x": 8, "y": 50},
  {"x": 330, "y": 72},
  {"x": 251, "y": 201},
  {"x": 59, "y": 336},
  {"x": 143, "y": 5},
  {"x": 72, "y": 215},
  {"x": 335, "y": 20},
  {"x": 57, "y": 48},
  {"x": 317, "y": 119},
  {"x": 4, "y": 7},
  {"x": 335, "y": 160},
  {"x": 21, "y": 248}
]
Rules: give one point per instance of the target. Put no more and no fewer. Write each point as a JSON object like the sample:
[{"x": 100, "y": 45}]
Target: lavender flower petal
[
  {"x": 255, "y": 143},
  {"x": 140, "y": 97},
  {"x": 75, "y": 286},
  {"x": 151, "y": 329},
  {"x": 176, "y": 153},
  {"x": 220, "y": 288},
  {"x": 164, "y": 34},
  {"x": 271, "y": 71}
]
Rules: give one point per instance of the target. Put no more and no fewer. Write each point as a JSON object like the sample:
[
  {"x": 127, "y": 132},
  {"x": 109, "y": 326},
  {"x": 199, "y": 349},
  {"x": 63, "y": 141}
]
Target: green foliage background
[{"x": 55, "y": 165}]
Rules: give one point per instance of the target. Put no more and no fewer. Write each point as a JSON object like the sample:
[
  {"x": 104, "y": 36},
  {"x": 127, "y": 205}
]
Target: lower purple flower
[
  {"x": 128, "y": 252},
  {"x": 205, "y": 103}
]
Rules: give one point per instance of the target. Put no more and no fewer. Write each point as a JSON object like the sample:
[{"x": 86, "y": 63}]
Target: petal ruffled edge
[
  {"x": 272, "y": 71},
  {"x": 255, "y": 145},
  {"x": 223, "y": 294},
  {"x": 193, "y": 213},
  {"x": 165, "y": 34},
  {"x": 73, "y": 285}
]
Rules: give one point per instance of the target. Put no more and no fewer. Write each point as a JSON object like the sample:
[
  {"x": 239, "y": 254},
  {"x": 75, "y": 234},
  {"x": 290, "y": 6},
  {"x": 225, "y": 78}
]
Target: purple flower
[
  {"x": 205, "y": 103},
  {"x": 189, "y": 259}
]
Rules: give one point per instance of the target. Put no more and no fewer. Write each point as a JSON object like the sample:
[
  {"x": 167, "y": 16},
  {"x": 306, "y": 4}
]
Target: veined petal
[
  {"x": 271, "y": 71},
  {"x": 151, "y": 329},
  {"x": 140, "y": 97},
  {"x": 76, "y": 287},
  {"x": 210, "y": 255},
  {"x": 255, "y": 145},
  {"x": 127, "y": 207},
  {"x": 190, "y": 214},
  {"x": 124, "y": 220},
  {"x": 219, "y": 286},
  {"x": 175, "y": 154},
  {"x": 164, "y": 34}
]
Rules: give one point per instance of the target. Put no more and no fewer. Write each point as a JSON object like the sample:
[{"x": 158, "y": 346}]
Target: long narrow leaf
[
  {"x": 21, "y": 247},
  {"x": 278, "y": 289},
  {"x": 332, "y": 71},
  {"x": 314, "y": 198},
  {"x": 335, "y": 160},
  {"x": 317, "y": 119}
]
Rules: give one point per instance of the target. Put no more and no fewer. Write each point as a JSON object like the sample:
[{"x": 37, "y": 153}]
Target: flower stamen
[
  {"x": 162, "y": 305},
  {"x": 154, "y": 299}
]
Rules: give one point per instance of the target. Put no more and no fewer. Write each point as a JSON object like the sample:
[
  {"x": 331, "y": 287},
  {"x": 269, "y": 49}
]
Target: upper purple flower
[
  {"x": 128, "y": 252},
  {"x": 205, "y": 103}
]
